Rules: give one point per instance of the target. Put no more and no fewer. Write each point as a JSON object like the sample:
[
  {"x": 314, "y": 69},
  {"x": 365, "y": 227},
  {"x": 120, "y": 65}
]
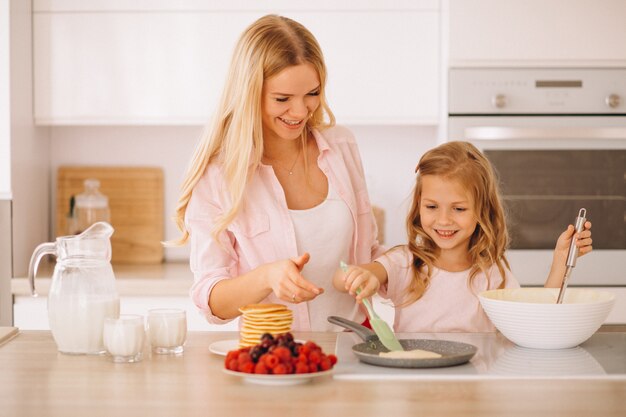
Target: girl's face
[
  {"x": 447, "y": 214},
  {"x": 287, "y": 100}
]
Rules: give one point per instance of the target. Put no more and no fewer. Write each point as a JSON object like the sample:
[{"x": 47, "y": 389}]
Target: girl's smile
[
  {"x": 445, "y": 234},
  {"x": 447, "y": 215}
]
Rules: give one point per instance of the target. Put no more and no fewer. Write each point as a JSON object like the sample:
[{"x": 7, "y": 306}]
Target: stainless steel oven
[{"x": 557, "y": 138}]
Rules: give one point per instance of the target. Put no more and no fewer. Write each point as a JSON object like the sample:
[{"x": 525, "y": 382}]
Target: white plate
[
  {"x": 290, "y": 379},
  {"x": 222, "y": 347}
]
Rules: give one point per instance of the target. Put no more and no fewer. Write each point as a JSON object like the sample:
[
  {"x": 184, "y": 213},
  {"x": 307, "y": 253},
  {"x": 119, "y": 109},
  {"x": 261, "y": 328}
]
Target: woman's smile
[
  {"x": 289, "y": 97},
  {"x": 291, "y": 124}
]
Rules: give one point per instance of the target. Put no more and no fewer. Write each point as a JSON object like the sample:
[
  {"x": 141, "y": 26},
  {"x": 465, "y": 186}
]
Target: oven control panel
[{"x": 528, "y": 91}]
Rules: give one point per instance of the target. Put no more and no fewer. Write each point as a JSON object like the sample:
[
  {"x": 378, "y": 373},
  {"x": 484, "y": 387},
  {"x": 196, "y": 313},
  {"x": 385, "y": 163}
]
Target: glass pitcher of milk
[{"x": 82, "y": 293}]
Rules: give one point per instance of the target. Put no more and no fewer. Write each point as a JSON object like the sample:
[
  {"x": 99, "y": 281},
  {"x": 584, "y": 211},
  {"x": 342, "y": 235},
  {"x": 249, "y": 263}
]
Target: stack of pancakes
[{"x": 258, "y": 319}]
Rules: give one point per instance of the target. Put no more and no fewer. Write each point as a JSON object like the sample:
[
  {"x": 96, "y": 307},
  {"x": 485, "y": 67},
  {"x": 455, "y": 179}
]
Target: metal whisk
[{"x": 572, "y": 254}]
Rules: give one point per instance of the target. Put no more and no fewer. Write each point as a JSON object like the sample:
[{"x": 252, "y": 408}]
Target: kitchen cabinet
[
  {"x": 160, "y": 63},
  {"x": 537, "y": 33}
]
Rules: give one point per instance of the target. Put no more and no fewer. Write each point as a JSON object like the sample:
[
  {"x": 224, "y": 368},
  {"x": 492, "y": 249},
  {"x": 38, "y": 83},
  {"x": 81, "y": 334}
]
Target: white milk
[
  {"x": 77, "y": 321},
  {"x": 124, "y": 337},
  {"x": 167, "y": 329}
]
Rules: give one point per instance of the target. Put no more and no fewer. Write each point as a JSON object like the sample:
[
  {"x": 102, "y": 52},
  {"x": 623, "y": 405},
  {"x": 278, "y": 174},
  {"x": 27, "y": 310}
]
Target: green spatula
[{"x": 380, "y": 326}]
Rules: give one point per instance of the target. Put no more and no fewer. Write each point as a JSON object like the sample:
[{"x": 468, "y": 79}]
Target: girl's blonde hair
[
  {"x": 461, "y": 162},
  {"x": 234, "y": 138}
]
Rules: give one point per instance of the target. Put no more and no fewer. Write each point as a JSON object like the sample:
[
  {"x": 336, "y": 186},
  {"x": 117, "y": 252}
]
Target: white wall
[
  {"x": 29, "y": 146},
  {"x": 389, "y": 158},
  {"x": 5, "y": 113}
]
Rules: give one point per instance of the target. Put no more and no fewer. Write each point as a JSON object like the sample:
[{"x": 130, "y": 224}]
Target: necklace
[
  {"x": 290, "y": 170},
  {"x": 294, "y": 162}
]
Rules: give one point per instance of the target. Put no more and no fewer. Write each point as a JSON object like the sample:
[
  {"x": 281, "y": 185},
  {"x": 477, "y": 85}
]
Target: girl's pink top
[
  {"x": 263, "y": 231},
  {"x": 449, "y": 303}
]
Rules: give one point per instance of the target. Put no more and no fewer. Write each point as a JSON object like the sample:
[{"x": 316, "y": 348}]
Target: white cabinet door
[
  {"x": 537, "y": 32},
  {"x": 168, "y": 67},
  {"x": 383, "y": 66},
  {"x": 135, "y": 68}
]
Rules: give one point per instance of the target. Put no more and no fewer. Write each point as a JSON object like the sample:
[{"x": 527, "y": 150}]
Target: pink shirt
[
  {"x": 448, "y": 305},
  {"x": 263, "y": 231}
]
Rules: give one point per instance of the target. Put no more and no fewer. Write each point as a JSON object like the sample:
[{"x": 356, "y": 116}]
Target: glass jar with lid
[{"x": 91, "y": 206}]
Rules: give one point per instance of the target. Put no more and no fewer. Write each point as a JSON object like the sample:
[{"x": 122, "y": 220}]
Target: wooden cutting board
[{"x": 136, "y": 203}]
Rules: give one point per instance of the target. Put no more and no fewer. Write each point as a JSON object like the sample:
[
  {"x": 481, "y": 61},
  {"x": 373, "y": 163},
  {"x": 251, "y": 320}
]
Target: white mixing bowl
[{"x": 530, "y": 317}]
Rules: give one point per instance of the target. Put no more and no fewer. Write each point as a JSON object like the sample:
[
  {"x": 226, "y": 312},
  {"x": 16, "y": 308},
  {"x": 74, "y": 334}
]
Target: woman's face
[
  {"x": 287, "y": 100},
  {"x": 447, "y": 213}
]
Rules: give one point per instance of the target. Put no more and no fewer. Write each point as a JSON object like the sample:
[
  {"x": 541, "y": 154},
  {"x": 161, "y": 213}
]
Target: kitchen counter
[
  {"x": 164, "y": 279},
  {"x": 36, "y": 380}
]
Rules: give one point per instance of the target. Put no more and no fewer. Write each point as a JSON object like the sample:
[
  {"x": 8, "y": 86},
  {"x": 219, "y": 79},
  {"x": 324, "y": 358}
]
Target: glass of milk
[
  {"x": 167, "y": 328},
  {"x": 124, "y": 337}
]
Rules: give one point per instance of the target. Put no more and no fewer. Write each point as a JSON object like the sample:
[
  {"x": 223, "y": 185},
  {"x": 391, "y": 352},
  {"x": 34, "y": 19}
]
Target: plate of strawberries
[{"x": 279, "y": 360}]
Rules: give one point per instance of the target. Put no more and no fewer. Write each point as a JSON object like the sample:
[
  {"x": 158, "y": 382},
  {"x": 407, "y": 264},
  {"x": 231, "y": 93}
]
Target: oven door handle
[{"x": 538, "y": 133}]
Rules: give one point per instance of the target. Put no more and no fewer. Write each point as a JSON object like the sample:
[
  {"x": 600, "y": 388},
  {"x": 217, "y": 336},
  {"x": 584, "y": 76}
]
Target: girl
[
  {"x": 275, "y": 195},
  {"x": 457, "y": 239}
]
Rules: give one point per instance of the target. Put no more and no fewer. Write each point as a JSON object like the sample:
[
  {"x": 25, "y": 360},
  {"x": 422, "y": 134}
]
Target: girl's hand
[
  {"x": 559, "y": 259},
  {"x": 583, "y": 241},
  {"x": 285, "y": 280},
  {"x": 357, "y": 277}
]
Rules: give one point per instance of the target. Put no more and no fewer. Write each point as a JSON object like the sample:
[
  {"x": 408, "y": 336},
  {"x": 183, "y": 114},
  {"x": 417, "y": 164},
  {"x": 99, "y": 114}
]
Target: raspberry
[
  {"x": 304, "y": 350},
  {"x": 280, "y": 369},
  {"x": 325, "y": 364},
  {"x": 270, "y": 360},
  {"x": 233, "y": 365},
  {"x": 279, "y": 354},
  {"x": 312, "y": 346},
  {"x": 314, "y": 357},
  {"x": 260, "y": 368},
  {"x": 247, "y": 367},
  {"x": 244, "y": 357},
  {"x": 283, "y": 353},
  {"x": 302, "y": 368},
  {"x": 233, "y": 354}
]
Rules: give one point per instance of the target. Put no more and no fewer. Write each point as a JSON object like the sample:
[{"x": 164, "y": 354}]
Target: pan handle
[{"x": 363, "y": 332}]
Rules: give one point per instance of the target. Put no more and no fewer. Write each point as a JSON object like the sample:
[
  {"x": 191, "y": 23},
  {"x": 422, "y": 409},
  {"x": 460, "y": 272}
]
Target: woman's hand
[
  {"x": 286, "y": 281},
  {"x": 354, "y": 278}
]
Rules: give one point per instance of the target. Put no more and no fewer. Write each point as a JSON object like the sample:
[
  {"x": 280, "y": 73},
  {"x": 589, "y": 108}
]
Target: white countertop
[{"x": 603, "y": 356}]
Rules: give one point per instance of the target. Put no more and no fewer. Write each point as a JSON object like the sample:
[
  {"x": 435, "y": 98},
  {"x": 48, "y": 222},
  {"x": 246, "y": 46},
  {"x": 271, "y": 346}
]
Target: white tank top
[{"x": 325, "y": 232}]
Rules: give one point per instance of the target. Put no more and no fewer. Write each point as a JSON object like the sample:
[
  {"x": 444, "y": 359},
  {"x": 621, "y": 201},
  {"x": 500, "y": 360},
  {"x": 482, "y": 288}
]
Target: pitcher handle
[{"x": 49, "y": 248}]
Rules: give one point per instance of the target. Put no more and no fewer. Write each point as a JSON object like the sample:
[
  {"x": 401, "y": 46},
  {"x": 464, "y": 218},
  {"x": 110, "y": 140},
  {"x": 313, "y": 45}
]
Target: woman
[{"x": 275, "y": 194}]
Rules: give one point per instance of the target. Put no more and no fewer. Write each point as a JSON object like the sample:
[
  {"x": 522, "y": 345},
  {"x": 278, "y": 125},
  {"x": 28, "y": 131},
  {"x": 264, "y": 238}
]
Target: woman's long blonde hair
[
  {"x": 234, "y": 137},
  {"x": 462, "y": 162}
]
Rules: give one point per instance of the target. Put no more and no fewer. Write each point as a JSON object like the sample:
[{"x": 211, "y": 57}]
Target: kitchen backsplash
[{"x": 389, "y": 154}]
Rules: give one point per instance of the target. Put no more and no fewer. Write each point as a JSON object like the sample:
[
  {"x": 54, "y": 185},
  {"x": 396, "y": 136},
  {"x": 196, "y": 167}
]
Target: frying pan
[{"x": 452, "y": 353}]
